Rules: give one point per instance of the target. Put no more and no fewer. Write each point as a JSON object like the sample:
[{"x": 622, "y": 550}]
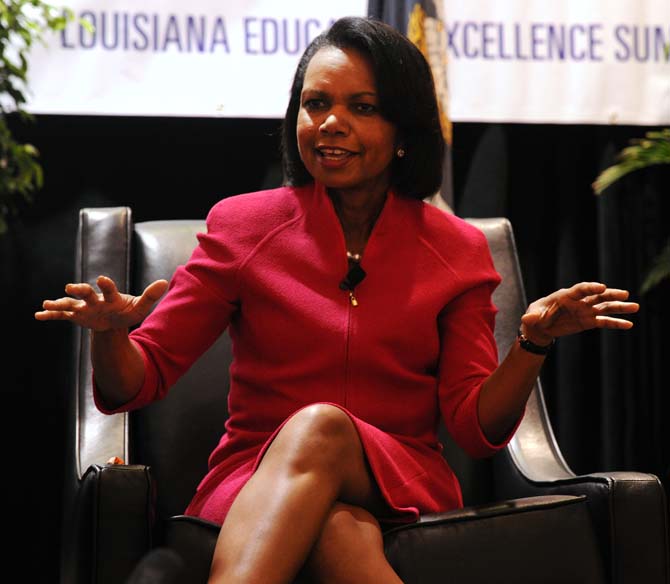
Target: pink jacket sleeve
[
  {"x": 469, "y": 354},
  {"x": 195, "y": 311}
]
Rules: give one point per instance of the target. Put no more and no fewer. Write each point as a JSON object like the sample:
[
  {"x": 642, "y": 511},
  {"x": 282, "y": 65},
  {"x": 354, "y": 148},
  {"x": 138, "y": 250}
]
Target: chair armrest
[
  {"x": 628, "y": 509},
  {"x": 537, "y": 539},
  {"x": 111, "y": 525}
]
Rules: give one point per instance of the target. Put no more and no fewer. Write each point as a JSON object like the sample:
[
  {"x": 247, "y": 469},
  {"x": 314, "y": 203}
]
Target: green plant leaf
[
  {"x": 22, "y": 24},
  {"x": 654, "y": 148}
]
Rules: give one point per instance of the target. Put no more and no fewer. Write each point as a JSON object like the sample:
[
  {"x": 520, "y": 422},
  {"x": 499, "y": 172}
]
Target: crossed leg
[{"x": 310, "y": 501}]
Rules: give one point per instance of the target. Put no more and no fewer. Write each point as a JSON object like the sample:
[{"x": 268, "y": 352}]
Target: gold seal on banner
[{"x": 428, "y": 34}]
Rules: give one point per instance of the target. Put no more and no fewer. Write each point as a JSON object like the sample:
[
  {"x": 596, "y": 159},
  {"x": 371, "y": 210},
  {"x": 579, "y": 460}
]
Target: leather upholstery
[{"x": 529, "y": 518}]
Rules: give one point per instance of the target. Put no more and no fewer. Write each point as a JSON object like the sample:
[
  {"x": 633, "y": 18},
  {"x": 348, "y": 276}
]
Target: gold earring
[{"x": 400, "y": 153}]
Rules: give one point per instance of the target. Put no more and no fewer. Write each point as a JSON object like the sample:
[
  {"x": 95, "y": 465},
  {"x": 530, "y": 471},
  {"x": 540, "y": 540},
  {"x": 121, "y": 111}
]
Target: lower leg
[{"x": 350, "y": 550}]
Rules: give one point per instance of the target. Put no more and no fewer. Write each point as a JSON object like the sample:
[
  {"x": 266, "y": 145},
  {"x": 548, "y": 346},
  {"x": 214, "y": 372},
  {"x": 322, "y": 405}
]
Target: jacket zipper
[{"x": 353, "y": 302}]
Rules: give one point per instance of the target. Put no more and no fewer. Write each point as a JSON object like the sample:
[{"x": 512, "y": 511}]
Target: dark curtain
[{"x": 606, "y": 392}]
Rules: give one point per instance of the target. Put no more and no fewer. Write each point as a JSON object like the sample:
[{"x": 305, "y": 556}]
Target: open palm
[
  {"x": 584, "y": 306},
  {"x": 102, "y": 311}
]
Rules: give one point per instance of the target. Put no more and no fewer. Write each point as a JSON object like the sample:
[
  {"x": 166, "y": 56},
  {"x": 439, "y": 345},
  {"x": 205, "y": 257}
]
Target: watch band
[{"x": 531, "y": 347}]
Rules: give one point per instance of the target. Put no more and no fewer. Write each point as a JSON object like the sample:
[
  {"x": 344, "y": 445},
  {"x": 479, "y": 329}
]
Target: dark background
[{"x": 606, "y": 391}]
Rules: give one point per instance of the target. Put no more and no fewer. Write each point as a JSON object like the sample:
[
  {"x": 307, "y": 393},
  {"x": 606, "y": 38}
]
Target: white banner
[
  {"x": 568, "y": 61},
  {"x": 525, "y": 61},
  {"x": 231, "y": 58}
]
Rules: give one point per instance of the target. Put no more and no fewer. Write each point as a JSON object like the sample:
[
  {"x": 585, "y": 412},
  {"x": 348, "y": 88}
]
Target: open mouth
[{"x": 333, "y": 153}]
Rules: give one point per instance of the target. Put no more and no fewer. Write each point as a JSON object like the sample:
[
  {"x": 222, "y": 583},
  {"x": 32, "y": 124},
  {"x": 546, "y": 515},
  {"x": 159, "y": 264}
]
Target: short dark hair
[{"x": 406, "y": 98}]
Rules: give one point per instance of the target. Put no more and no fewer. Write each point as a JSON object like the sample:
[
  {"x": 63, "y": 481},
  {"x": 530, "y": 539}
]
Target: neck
[{"x": 357, "y": 215}]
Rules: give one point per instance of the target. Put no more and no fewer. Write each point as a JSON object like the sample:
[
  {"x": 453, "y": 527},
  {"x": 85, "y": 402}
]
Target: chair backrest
[{"x": 176, "y": 435}]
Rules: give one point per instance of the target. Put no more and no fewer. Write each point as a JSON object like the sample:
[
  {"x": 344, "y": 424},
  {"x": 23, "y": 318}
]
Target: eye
[
  {"x": 366, "y": 108},
  {"x": 314, "y": 104}
]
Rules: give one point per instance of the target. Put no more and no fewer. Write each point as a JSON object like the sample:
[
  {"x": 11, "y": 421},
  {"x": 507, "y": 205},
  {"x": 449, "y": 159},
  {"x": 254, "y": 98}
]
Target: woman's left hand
[{"x": 584, "y": 306}]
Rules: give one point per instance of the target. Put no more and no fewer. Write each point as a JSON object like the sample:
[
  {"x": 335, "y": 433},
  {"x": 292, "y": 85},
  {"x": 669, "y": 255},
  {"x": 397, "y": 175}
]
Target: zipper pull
[{"x": 352, "y": 298}]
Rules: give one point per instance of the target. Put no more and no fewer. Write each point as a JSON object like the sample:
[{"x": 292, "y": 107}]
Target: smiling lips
[{"x": 334, "y": 157}]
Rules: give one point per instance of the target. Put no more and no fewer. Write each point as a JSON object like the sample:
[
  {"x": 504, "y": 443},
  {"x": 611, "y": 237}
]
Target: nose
[{"x": 334, "y": 123}]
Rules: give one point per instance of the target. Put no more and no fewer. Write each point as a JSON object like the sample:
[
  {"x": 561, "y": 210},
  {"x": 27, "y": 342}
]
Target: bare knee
[
  {"x": 350, "y": 538},
  {"x": 318, "y": 436},
  {"x": 347, "y": 523}
]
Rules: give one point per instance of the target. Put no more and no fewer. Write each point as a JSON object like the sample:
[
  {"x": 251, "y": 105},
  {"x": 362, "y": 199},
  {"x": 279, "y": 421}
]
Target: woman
[{"x": 358, "y": 315}]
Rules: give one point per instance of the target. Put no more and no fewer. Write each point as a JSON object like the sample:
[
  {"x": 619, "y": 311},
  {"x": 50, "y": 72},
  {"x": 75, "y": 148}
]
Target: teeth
[{"x": 333, "y": 151}]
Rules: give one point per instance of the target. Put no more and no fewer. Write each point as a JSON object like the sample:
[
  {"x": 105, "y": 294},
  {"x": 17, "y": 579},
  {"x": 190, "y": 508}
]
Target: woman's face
[{"x": 344, "y": 141}]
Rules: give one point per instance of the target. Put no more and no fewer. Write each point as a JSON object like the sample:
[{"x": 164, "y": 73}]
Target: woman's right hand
[{"x": 102, "y": 312}]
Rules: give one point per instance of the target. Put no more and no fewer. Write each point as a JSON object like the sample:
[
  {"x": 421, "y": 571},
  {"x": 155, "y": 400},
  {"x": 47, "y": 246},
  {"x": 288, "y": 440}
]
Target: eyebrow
[{"x": 357, "y": 95}]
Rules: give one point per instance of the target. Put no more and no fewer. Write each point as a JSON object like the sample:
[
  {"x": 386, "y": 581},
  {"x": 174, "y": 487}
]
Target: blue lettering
[
  {"x": 595, "y": 42},
  {"x": 451, "y": 33},
  {"x": 268, "y": 24},
  {"x": 195, "y": 33},
  {"x": 86, "y": 39},
  {"x": 137, "y": 24},
  {"x": 661, "y": 45},
  {"x": 536, "y": 41},
  {"x": 466, "y": 27},
  {"x": 556, "y": 41},
  {"x": 624, "y": 53},
  {"x": 155, "y": 31},
  {"x": 296, "y": 46},
  {"x": 487, "y": 39},
  {"x": 517, "y": 43},
  {"x": 126, "y": 32},
  {"x": 640, "y": 45},
  {"x": 172, "y": 33},
  {"x": 501, "y": 44},
  {"x": 573, "y": 43},
  {"x": 63, "y": 39},
  {"x": 248, "y": 36},
  {"x": 219, "y": 36},
  {"x": 108, "y": 43}
]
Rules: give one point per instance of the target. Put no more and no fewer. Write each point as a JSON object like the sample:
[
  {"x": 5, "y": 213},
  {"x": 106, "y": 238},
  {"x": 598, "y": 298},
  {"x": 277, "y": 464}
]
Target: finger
[
  {"x": 152, "y": 294},
  {"x": 609, "y": 294},
  {"x": 613, "y": 323},
  {"x": 155, "y": 290},
  {"x": 617, "y": 307},
  {"x": 108, "y": 288},
  {"x": 584, "y": 289},
  {"x": 45, "y": 315},
  {"x": 82, "y": 291},
  {"x": 62, "y": 304}
]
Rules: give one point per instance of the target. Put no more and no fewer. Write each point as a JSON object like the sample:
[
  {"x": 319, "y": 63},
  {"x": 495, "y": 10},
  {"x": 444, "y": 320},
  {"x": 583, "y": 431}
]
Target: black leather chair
[{"x": 528, "y": 517}]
